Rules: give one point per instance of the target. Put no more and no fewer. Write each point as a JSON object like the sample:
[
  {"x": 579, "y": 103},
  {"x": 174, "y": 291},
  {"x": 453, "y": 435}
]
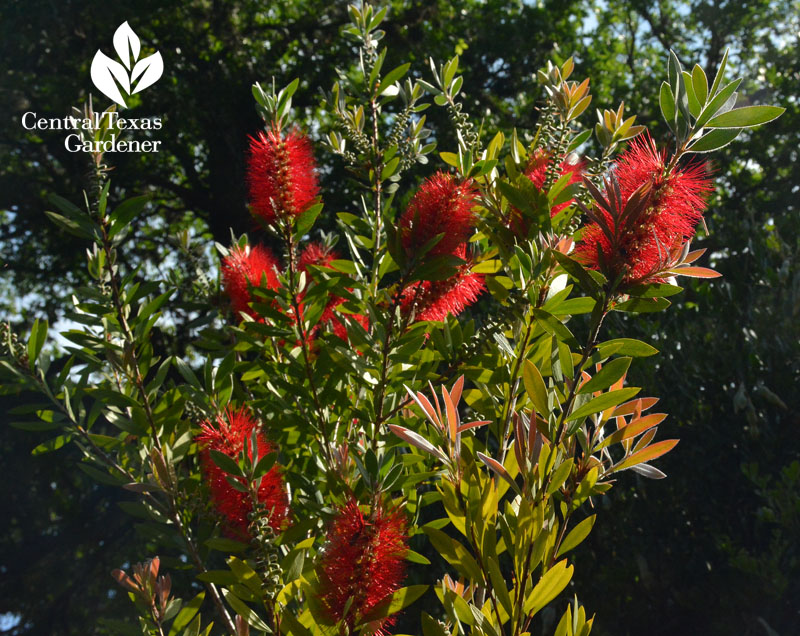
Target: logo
[
  {"x": 130, "y": 74},
  {"x": 99, "y": 132}
]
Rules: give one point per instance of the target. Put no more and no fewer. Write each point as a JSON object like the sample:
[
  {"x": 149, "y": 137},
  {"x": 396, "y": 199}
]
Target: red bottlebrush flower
[
  {"x": 244, "y": 267},
  {"x": 639, "y": 243},
  {"x": 433, "y": 300},
  {"x": 228, "y": 436},
  {"x": 363, "y": 559},
  {"x": 536, "y": 171},
  {"x": 281, "y": 174},
  {"x": 441, "y": 205},
  {"x": 316, "y": 254}
]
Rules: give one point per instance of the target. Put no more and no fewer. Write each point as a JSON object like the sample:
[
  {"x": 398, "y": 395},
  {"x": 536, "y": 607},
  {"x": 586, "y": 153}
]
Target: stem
[
  {"x": 385, "y": 350},
  {"x": 587, "y": 351},
  {"x": 377, "y": 169},
  {"x": 323, "y": 428},
  {"x": 512, "y": 389},
  {"x": 198, "y": 563},
  {"x": 514, "y": 380}
]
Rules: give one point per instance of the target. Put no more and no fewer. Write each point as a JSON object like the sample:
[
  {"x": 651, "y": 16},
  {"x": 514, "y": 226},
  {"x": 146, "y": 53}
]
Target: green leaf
[
  {"x": 655, "y": 290},
  {"x": 153, "y": 305},
  {"x": 499, "y": 584},
  {"x": 720, "y": 73},
  {"x": 449, "y": 72},
  {"x": 746, "y": 117},
  {"x": 643, "y": 305},
  {"x": 36, "y": 341},
  {"x": 51, "y": 445},
  {"x": 717, "y": 102},
  {"x": 125, "y": 212},
  {"x": 241, "y": 608},
  {"x": 694, "y": 105},
  {"x": 578, "y": 272},
  {"x": 226, "y": 463},
  {"x": 603, "y": 402},
  {"x": 629, "y": 347},
  {"x": 605, "y": 377},
  {"x": 674, "y": 70},
  {"x": 67, "y": 207},
  {"x": 548, "y": 587},
  {"x": 454, "y": 553},
  {"x": 715, "y": 139},
  {"x": 576, "y": 535},
  {"x": 491, "y": 266},
  {"x": 399, "y": 600},
  {"x": 306, "y": 220},
  {"x": 416, "y": 557},
  {"x": 390, "y": 168},
  {"x": 574, "y": 306},
  {"x": 700, "y": 84},
  {"x": 579, "y": 139},
  {"x": 392, "y": 76},
  {"x": 186, "y": 614},
  {"x": 535, "y": 387},
  {"x": 432, "y": 627},
  {"x": 68, "y": 225},
  {"x": 560, "y": 476}
]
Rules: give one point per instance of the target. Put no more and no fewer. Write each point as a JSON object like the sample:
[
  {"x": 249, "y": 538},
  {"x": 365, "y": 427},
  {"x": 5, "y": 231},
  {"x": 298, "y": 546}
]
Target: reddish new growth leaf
[
  {"x": 433, "y": 300},
  {"x": 537, "y": 173},
  {"x": 244, "y": 267},
  {"x": 645, "y": 215},
  {"x": 228, "y": 436},
  {"x": 281, "y": 174},
  {"x": 442, "y": 205},
  {"x": 319, "y": 255},
  {"x": 363, "y": 560}
]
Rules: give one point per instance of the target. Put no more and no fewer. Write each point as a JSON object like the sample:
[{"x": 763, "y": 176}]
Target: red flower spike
[
  {"x": 317, "y": 254},
  {"x": 363, "y": 560},
  {"x": 281, "y": 174},
  {"x": 642, "y": 245},
  {"x": 434, "y": 300},
  {"x": 244, "y": 267},
  {"x": 441, "y": 205},
  {"x": 228, "y": 436}
]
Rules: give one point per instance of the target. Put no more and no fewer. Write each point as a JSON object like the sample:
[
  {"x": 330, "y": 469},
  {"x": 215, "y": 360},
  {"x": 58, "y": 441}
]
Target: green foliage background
[{"x": 713, "y": 549}]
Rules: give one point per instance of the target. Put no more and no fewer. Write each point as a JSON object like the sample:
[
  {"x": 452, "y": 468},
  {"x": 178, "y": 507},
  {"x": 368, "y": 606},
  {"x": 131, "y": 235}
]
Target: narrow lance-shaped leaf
[
  {"x": 646, "y": 454},
  {"x": 498, "y": 468},
  {"x": 415, "y": 439},
  {"x": 535, "y": 386},
  {"x": 746, "y": 117}
]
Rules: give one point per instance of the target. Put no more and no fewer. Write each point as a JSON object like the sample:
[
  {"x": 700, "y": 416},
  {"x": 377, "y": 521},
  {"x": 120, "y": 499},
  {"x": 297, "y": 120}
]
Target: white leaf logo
[
  {"x": 132, "y": 75},
  {"x": 125, "y": 43}
]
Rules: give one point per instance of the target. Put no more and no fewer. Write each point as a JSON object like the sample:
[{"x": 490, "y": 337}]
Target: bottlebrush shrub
[{"x": 440, "y": 404}]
